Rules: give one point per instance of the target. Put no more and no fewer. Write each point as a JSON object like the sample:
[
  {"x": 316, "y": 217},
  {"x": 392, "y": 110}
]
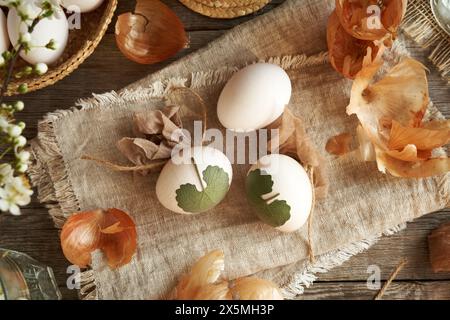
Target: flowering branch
[{"x": 15, "y": 189}]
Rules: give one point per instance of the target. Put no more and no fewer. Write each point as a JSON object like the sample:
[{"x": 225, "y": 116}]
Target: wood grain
[
  {"x": 399, "y": 290},
  {"x": 33, "y": 232}
]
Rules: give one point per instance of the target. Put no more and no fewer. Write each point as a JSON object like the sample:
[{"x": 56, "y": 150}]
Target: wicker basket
[{"x": 81, "y": 45}]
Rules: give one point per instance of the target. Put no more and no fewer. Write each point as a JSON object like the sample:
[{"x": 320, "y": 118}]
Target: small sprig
[{"x": 15, "y": 189}]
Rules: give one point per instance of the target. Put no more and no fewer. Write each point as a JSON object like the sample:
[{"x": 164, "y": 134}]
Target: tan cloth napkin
[{"x": 362, "y": 202}]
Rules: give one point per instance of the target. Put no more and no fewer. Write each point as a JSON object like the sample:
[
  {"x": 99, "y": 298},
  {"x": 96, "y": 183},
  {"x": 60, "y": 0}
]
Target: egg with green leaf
[
  {"x": 280, "y": 190},
  {"x": 195, "y": 180}
]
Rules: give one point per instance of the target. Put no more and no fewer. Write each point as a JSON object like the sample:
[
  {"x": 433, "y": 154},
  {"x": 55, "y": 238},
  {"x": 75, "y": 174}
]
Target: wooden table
[{"x": 107, "y": 69}]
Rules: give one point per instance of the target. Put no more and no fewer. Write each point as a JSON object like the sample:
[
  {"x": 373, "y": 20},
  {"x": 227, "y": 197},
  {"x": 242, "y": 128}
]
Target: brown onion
[
  {"x": 251, "y": 288},
  {"x": 371, "y": 19},
  {"x": 205, "y": 282},
  {"x": 112, "y": 231},
  {"x": 347, "y": 54},
  {"x": 150, "y": 34}
]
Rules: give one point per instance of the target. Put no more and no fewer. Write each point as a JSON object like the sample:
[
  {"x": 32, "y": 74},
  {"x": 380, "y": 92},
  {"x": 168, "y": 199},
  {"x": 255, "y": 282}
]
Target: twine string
[
  {"x": 392, "y": 277},
  {"x": 312, "y": 258}
]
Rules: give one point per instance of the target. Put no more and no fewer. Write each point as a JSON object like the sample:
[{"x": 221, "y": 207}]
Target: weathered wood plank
[
  {"x": 398, "y": 290},
  {"x": 33, "y": 233},
  {"x": 411, "y": 244}
]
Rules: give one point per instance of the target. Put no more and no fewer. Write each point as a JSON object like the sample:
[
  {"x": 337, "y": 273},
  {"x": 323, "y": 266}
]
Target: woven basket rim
[
  {"x": 223, "y": 10},
  {"x": 73, "y": 62}
]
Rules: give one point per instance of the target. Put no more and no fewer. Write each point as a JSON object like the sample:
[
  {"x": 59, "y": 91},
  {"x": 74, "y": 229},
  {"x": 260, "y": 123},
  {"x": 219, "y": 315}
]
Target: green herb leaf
[
  {"x": 258, "y": 184},
  {"x": 194, "y": 201}
]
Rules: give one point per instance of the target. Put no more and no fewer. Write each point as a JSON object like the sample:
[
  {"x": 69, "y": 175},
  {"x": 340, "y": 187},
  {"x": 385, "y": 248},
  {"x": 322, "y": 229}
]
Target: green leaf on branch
[
  {"x": 194, "y": 201},
  {"x": 275, "y": 213}
]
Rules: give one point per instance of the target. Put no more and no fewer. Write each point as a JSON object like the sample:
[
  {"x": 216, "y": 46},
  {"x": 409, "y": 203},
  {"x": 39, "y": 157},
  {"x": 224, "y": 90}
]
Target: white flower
[
  {"x": 23, "y": 156},
  {"x": 2, "y": 61},
  {"x": 14, "y": 131},
  {"x": 25, "y": 37},
  {"x": 22, "y": 168},
  {"x": 20, "y": 141},
  {"x": 19, "y": 105},
  {"x": 14, "y": 194},
  {"x": 27, "y": 10},
  {"x": 4, "y": 124},
  {"x": 41, "y": 68},
  {"x": 6, "y": 173}
]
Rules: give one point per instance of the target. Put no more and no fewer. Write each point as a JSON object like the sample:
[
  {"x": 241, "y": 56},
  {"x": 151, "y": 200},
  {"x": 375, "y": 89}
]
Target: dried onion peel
[
  {"x": 422, "y": 138},
  {"x": 339, "y": 144},
  {"x": 347, "y": 54},
  {"x": 112, "y": 231},
  {"x": 255, "y": 289},
  {"x": 206, "y": 271},
  {"x": 439, "y": 248},
  {"x": 391, "y": 112},
  {"x": 371, "y": 19},
  {"x": 150, "y": 34},
  {"x": 205, "y": 282}
]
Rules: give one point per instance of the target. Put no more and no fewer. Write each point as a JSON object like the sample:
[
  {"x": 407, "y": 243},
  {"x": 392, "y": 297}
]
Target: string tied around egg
[{"x": 312, "y": 258}]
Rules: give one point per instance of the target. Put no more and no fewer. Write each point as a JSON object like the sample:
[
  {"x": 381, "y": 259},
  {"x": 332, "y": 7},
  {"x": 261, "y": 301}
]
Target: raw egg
[
  {"x": 280, "y": 190},
  {"x": 254, "y": 97},
  {"x": 194, "y": 181},
  {"x": 4, "y": 38},
  {"x": 54, "y": 28}
]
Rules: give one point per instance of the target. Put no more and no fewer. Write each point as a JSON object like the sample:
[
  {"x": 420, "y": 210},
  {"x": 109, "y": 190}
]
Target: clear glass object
[
  {"x": 441, "y": 11},
  {"x": 23, "y": 278}
]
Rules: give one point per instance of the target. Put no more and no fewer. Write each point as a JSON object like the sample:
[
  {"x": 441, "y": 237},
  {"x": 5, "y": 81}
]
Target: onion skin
[
  {"x": 112, "y": 231},
  {"x": 151, "y": 34},
  {"x": 423, "y": 139},
  {"x": 251, "y": 288},
  {"x": 339, "y": 144},
  {"x": 204, "y": 273},
  {"x": 218, "y": 291},
  {"x": 357, "y": 18},
  {"x": 391, "y": 111},
  {"x": 439, "y": 247},
  {"x": 347, "y": 54},
  {"x": 204, "y": 282}
]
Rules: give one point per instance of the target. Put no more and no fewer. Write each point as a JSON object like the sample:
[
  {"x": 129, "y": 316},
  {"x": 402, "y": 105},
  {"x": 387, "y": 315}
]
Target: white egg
[
  {"x": 56, "y": 28},
  {"x": 179, "y": 187},
  {"x": 281, "y": 192},
  {"x": 254, "y": 97},
  {"x": 81, "y": 5},
  {"x": 4, "y": 38}
]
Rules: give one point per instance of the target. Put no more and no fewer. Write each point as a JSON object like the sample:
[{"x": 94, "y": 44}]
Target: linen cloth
[{"x": 361, "y": 205}]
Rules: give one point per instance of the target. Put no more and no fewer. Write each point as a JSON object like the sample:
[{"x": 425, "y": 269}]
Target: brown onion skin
[
  {"x": 113, "y": 231},
  {"x": 391, "y": 17},
  {"x": 341, "y": 45},
  {"x": 151, "y": 34}
]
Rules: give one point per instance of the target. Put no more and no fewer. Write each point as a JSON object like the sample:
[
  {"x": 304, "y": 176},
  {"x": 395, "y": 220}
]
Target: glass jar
[
  {"x": 23, "y": 278},
  {"x": 441, "y": 11}
]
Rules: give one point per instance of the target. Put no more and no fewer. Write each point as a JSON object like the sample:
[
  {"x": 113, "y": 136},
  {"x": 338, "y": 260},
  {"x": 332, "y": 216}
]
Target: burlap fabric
[
  {"x": 421, "y": 25},
  {"x": 362, "y": 203}
]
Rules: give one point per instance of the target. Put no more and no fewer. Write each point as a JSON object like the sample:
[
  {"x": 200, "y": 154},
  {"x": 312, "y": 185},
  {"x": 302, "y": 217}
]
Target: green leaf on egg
[
  {"x": 194, "y": 201},
  {"x": 273, "y": 212}
]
